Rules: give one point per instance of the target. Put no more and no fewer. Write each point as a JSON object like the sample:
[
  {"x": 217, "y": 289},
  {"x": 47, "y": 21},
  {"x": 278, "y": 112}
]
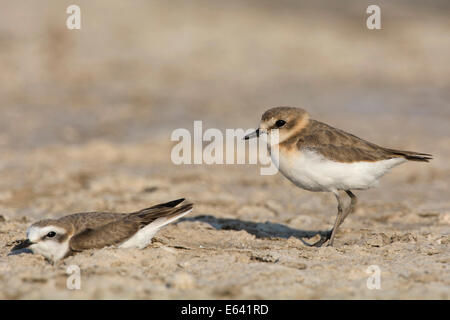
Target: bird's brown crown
[
  {"x": 288, "y": 120},
  {"x": 283, "y": 113}
]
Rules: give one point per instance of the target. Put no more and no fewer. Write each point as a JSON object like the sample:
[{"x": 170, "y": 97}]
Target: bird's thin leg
[
  {"x": 330, "y": 234},
  {"x": 338, "y": 220},
  {"x": 351, "y": 207}
]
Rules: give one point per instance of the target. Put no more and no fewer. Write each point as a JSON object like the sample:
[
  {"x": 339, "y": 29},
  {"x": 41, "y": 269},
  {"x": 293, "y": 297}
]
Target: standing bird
[
  {"x": 317, "y": 157},
  {"x": 56, "y": 239}
]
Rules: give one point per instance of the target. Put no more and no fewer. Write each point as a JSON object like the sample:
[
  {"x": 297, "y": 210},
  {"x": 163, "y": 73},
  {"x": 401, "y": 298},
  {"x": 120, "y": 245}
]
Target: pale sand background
[{"x": 86, "y": 118}]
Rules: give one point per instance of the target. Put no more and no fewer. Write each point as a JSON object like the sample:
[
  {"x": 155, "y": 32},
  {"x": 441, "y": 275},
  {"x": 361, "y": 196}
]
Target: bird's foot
[{"x": 324, "y": 237}]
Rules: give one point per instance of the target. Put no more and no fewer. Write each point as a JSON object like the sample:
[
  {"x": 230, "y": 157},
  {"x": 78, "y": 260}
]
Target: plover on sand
[
  {"x": 317, "y": 157},
  {"x": 55, "y": 239}
]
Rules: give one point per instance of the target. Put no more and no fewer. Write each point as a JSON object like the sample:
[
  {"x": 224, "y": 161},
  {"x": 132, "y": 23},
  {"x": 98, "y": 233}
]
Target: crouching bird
[{"x": 56, "y": 239}]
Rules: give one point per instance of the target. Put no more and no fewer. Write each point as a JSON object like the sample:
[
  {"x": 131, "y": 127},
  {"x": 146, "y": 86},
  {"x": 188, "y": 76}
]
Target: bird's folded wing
[
  {"x": 341, "y": 146},
  {"x": 109, "y": 234},
  {"x": 351, "y": 153}
]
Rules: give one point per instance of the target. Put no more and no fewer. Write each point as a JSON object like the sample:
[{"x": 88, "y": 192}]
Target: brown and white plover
[
  {"x": 55, "y": 239},
  {"x": 317, "y": 157}
]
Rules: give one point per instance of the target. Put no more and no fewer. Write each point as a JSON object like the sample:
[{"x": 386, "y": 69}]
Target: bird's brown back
[{"x": 341, "y": 146}]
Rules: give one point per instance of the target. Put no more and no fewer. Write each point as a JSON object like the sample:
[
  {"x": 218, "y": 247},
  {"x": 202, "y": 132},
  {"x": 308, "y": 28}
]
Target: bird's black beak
[
  {"x": 22, "y": 245},
  {"x": 252, "y": 135}
]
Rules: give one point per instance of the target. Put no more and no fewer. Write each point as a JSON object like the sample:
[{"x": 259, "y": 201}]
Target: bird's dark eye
[
  {"x": 51, "y": 234},
  {"x": 280, "y": 123}
]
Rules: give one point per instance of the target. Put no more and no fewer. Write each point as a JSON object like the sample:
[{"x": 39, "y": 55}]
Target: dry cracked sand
[{"x": 84, "y": 129}]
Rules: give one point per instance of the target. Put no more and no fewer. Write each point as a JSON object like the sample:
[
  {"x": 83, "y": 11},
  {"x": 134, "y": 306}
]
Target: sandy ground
[{"x": 86, "y": 124}]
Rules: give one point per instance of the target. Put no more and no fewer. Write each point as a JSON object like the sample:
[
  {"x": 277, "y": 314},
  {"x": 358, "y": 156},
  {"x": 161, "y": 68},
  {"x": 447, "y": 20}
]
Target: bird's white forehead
[{"x": 34, "y": 233}]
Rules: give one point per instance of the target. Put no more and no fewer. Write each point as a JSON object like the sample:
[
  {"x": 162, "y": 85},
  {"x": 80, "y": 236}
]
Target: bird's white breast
[{"x": 312, "y": 171}]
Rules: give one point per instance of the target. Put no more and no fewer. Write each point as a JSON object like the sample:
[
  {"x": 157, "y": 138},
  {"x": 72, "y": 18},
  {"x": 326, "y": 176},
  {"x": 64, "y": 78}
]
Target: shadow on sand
[{"x": 266, "y": 230}]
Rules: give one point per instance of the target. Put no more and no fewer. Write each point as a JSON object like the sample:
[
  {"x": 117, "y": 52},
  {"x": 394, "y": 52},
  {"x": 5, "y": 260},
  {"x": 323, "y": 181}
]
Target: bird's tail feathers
[
  {"x": 411, "y": 155},
  {"x": 162, "y": 214},
  {"x": 170, "y": 204},
  {"x": 177, "y": 214}
]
